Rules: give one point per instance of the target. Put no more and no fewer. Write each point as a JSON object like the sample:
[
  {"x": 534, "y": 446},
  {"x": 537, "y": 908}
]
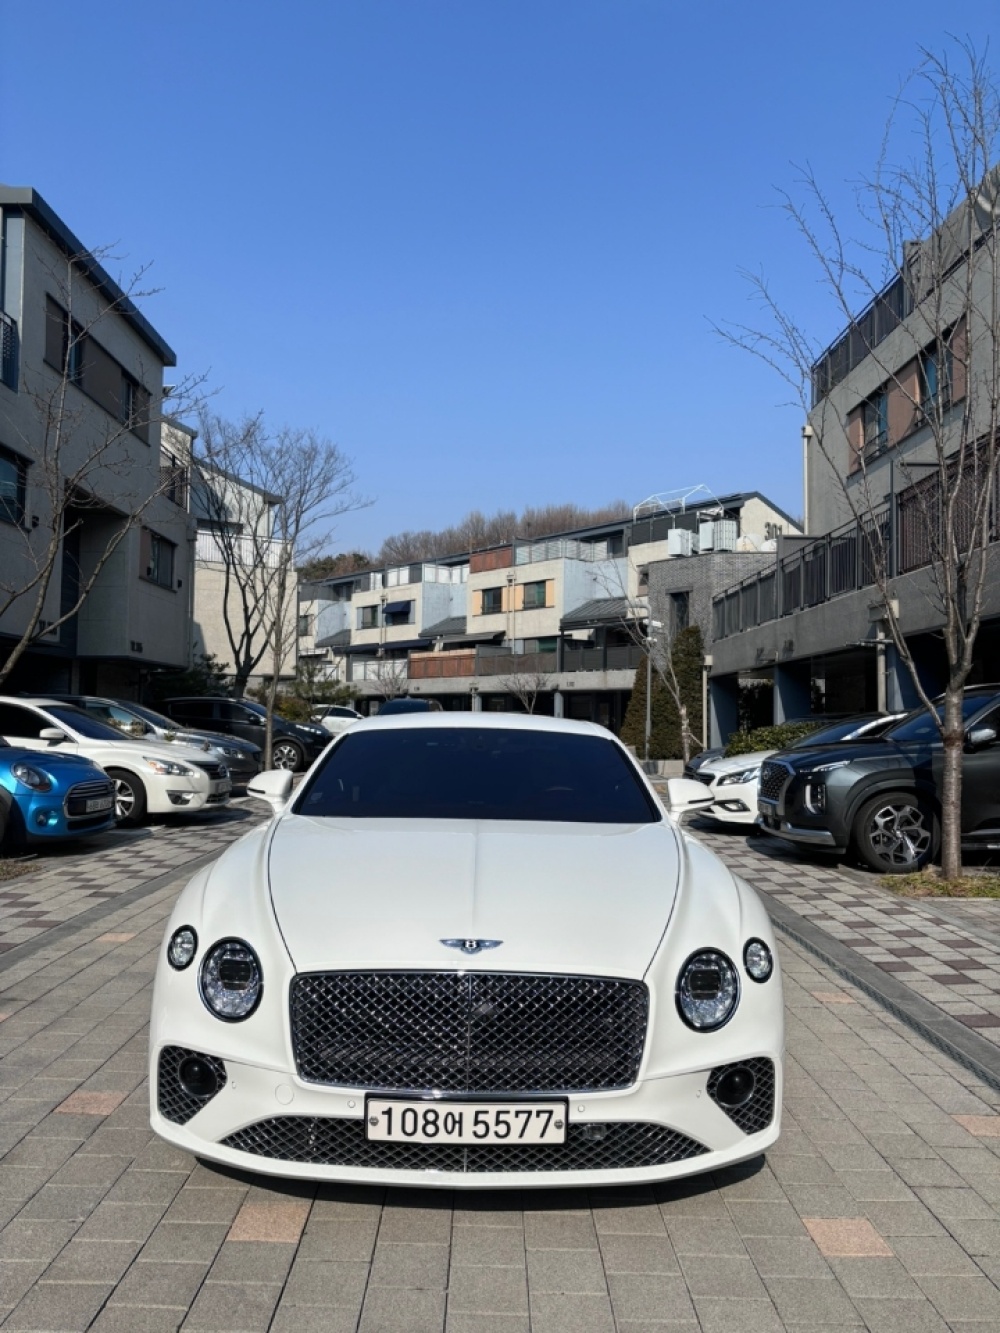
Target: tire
[
  {"x": 896, "y": 833},
  {"x": 130, "y": 797},
  {"x": 13, "y": 834},
  {"x": 287, "y": 754}
]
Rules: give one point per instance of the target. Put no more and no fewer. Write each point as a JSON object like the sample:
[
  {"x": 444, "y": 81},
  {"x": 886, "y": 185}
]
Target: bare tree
[
  {"x": 389, "y": 680},
  {"x": 525, "y": 686},
  {"x": 269, "y": 500},
  {"x": 930, "y": 328},
  {"x": 90, "y": 454}
]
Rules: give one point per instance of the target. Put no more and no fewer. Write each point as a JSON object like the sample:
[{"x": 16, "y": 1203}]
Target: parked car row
[
  {"x": 72, "y": 765},
  {"x": 870, "y": 786}
]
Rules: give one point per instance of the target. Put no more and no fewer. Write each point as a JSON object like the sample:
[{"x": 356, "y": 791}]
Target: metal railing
[
  {"x": 8, "y": 350},
  {"x": 490, "y": 662},
  {"x": 173, "y": 479},
  {"x": 901, "y": 535}
]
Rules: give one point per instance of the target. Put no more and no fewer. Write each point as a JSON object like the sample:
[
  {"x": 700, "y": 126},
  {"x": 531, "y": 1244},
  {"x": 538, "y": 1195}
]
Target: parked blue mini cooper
[{"x": 49, "y": 797}]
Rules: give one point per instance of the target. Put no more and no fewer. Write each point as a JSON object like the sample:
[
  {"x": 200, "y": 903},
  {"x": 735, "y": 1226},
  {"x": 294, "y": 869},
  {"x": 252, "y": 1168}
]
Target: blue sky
[{"x": 478, "y": 243}]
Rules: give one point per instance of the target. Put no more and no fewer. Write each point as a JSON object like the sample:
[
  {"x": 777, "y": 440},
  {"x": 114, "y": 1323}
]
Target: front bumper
[
  {"x": 772, "y": 821},
  {"x": 270, "y": 1121}
]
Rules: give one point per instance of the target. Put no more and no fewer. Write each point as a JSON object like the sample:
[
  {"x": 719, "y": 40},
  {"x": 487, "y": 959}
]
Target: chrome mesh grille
[
  {"x": 773, "y": 777},
  {"x": 173, "y": 1101},
  {"x": 341, "y": 1142},
  {"x": 214, "y": 770},
  {"x": 757, "y": 1113},
  {"x": 468, "y": 1032}
]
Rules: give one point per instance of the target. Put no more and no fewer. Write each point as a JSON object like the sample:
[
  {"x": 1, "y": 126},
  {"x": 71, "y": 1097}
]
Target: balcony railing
[
  {"x": 8, "y": 350},
  {"x": 481, "y": 662},
  {"x": 897, "y": 537},
  {"x": 173, "y": 479},
  {"x": 239, "y": 552}
]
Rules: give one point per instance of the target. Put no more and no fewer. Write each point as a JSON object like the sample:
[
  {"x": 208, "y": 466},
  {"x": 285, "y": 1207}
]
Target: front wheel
[
  {"x": 896, "y": 833},
  {"x": 130, "y": 796},
  {"x": 288, "y": 755}
]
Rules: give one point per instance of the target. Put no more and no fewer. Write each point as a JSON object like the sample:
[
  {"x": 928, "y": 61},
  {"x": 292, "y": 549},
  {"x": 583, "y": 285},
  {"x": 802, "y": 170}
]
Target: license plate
[
  {"x": 99, "y": 803},
  {"x": 465, "y": 1122}
]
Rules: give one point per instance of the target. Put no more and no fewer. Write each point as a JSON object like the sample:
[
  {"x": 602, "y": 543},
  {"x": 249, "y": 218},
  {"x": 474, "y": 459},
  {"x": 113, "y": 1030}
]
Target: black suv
[
  {"x": 294, "y": 744},
  {"x": 880, "y": 796}
]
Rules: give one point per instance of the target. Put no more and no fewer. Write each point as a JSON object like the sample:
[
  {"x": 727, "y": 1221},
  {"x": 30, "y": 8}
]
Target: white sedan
[
  {"x": 470, "y": 950},
  {"x": 150, "y": 776}
]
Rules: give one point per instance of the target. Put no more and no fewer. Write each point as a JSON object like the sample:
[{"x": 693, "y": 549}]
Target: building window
[
  {"x": 680, "y": 605},
  {"x": 305, "y": 626},
  {"x": 13, "y": 480},
  {"x": 492, "y": 601},
  {"x": 534, "y": 595},
  {"x": 399, "y": 613},
  {"x": 936, "y": 378},
  {"x": 64, "y": 342},
  {"x": 367, "y": 617},
  {"x": 875, "y": 419},
  {"x": 159, "y": 558},
  {"x": 643, "y": 573}
]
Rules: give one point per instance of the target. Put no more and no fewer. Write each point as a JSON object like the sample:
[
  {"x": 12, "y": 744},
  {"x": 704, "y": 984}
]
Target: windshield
[
  {"x": 922, "y": 727},
  {"x": 473, "y": 773},
  {"x": 148, "y": 715},
  {"x": 259, "y": 709},
  {"x": 84, "y": 724},
  {"x": 838, "y": 731}
]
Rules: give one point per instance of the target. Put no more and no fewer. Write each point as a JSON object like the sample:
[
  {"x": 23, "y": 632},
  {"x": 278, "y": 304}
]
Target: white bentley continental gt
[{"x": 470, "y": 950}]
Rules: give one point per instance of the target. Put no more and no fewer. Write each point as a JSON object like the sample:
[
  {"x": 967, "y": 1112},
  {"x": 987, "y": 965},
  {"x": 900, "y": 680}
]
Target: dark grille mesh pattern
[
  {"x": 472, "y": 1032},
  {"x": 214, "y": 770},
  {"x": 341, "y": 1142},
  {"x": 758, "y": 1112},
  {"x": 772, "y": 778},
  {"x": 78, "y": 796},
  {"x": 173, "y": 1101}
]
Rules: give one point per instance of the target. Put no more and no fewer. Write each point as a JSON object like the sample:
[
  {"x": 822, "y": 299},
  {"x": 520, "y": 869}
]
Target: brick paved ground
[
  {"x": 879, "y": 1208},
  {"x": 946, "y": 952},
  {"x": 69, "y": 880}
]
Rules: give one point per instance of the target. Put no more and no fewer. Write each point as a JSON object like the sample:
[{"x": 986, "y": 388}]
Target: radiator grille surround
[
  {"x": 773, "y": 776},
  {"x": 468, "y": 1032}
]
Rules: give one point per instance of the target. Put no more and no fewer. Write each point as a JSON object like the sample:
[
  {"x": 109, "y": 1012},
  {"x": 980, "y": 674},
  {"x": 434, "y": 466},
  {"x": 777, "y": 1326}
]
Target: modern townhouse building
[
  {"x": 915, "y": 370},
  {"x": 81, "y": 465},
  {"x": 563, "y": 617}
]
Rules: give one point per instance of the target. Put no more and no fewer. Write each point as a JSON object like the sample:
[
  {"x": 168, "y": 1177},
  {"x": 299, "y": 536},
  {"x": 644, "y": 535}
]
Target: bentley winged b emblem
[{"x": 472, "y": 946}]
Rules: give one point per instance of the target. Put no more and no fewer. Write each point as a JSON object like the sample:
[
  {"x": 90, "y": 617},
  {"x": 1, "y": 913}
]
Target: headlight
[
  {"x": 168, "y": 769},
  {"x": 828, "y": 768},
  {"x": 757, "y": 960},
  {"x": 231, "y": 980},
  {"x": 230, "y": 751},
  {"x": 32, "y": 777},
  {"x": 745, "y": 775},
  {"x": 708, "y": 990},
  {"x": 182, "y": 947}
]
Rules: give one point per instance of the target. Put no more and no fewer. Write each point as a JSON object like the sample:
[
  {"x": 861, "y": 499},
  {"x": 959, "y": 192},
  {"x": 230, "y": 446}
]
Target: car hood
[
  {"x": 213, "y": 740},
  {"x": 880, "y": 750},
  {"x": 736, "y": 763},
  {"x": 48, "y": 759},
  {"x": 556, "y": 895}
]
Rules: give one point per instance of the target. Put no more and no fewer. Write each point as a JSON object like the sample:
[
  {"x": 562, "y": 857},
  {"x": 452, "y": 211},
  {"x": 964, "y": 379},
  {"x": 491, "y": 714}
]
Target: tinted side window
[
  {"x": 192, "y": 710},
  {"x": 15, "y": 721},
  {"x": 236, "y": 713}
]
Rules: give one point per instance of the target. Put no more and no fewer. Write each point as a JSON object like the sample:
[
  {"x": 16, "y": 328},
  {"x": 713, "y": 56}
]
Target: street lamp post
[{"x": 650, "y": 640}]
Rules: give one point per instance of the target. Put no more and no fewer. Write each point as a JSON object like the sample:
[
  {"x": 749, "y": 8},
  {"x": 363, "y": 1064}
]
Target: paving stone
[
  {"x": 232, "y": 1307},
  {"x": 160, "y": 1284},
  {"x": 552, "y": 1313},
  {"x": 884, "y": 1277},
  {"x": 638, "y": 1254},
  {"x": 489, "y": 1290},
  {"x": 786, "y": 1256},
  {"x": 413, "y": 1265},
  {"x": 812, "y": 1301},
  {"x": 65, "y": 1306},
  {"x": 273, "y": 1221},
  {"x": 92, "y": 1261},
  {"x": 636, "y": 1296},
  {"x": 326, "y": 1282},
  {"x": 402, "y": 1311},
  {"x": 570, "y": 1271},
  {"x": 721, "y": 1275},
  {"x": 184, "y": 1242},
  {"x": 963, "y": 1298},
  {"x": 717, "y": 1315},
  {"x": 338, "y": 1240},
  {"x": 936, "y": 1256},
  {"x": 487, "y": 1246}
]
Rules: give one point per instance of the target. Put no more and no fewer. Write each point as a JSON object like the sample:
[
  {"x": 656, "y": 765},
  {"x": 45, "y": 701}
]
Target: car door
[
  {"x": 981, "y": 785},
  {"x": 242, "y": 722},
  {"x": 23, "y": 725}
]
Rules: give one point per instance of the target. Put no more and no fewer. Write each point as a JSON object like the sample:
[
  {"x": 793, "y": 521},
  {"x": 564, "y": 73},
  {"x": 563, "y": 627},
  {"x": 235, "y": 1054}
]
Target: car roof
[{"x": 489, "y": 721}]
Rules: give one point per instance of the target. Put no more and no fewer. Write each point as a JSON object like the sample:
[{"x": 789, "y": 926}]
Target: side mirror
[
  {"x": 274, "y": 786},
  {"x": 978, "y": 738},
  {"x": 684, "y": 794},
  {"x": 52, "y": 734}
]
